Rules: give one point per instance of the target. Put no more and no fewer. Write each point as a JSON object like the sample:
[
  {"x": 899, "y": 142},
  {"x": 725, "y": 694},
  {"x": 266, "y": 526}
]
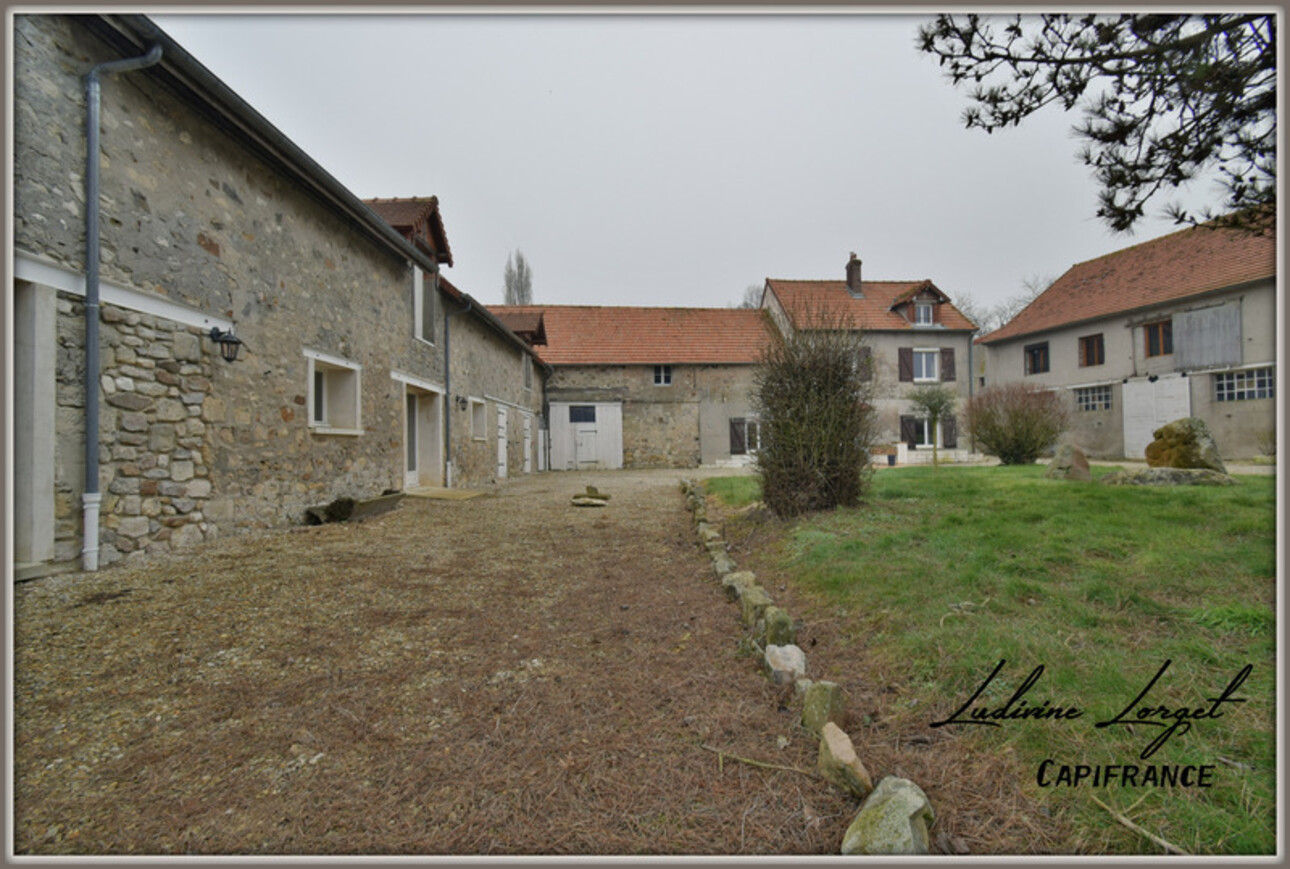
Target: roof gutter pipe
[{"x": 92, "y": 496}]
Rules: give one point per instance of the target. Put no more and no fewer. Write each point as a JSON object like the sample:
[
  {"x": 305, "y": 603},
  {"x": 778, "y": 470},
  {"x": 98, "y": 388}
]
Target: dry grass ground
[{"x": 506, "y": 675}]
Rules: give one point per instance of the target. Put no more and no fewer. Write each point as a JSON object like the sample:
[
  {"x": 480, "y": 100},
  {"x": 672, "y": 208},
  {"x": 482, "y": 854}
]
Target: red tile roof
[
  {"x": 612, "y": 335},
  {"x": 411, "y": 214},
  {"x": 804, "y": 300},
  {"x": 1186, "y": 263}
]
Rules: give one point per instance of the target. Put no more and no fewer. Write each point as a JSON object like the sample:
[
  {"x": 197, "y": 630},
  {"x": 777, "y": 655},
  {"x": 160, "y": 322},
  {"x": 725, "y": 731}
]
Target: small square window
[
  {"x": 1159, "y": 338},
  {"x": 582, "y": 413},
  {"x": 1092, "y": 351},
  {"x": 662, "y": 375},
  {"x": 334, "y": 394},
  {"x": 1036, "y": 356}
]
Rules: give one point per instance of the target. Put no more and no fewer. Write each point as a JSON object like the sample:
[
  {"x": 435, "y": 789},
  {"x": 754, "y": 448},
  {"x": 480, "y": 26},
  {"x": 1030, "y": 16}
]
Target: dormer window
[{"x": 923, "y": 314}]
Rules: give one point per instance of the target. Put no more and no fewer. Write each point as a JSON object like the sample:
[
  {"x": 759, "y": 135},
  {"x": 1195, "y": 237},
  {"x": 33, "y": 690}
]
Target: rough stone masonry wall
[
  {"x": 154, "y": 453},
  {"x": 190, "y": 216},
  {"x": 676, "y": 426},
  {"x": 486, "y": 364}
]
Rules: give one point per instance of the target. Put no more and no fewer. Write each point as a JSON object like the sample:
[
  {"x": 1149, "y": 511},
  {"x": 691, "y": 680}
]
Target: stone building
[
  {"x": 212, "y": 225},
  {"x": 1180, "y": 326},
  {"x": 645, "y": 387},
  {"x": 494, "y": 422},
  {"x": 913, "y": 335}
]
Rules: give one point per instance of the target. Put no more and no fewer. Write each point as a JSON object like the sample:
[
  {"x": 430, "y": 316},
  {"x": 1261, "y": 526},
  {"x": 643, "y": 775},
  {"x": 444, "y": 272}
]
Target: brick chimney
[{"x": 853, "y": 277}]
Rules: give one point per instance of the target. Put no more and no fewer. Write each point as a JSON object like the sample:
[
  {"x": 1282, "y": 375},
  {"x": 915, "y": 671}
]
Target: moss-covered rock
[{"x": 893, "y": 820}]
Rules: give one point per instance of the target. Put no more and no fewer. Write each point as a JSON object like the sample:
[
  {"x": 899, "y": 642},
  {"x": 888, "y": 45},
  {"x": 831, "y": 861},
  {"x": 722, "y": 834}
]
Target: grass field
[{"x": 944, "y": 574}]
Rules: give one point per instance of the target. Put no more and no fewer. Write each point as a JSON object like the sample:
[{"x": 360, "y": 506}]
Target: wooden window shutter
[
  {"x": 950, "y": 432},
  {"x": 947, "y": 363},
  {"x": 909, "y": 431},
  {"x": 738, "y": 443},
  {"x": 905, "y": 362}
]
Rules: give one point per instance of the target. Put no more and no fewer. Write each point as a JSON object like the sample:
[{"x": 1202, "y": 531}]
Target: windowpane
[
  {"x": 1092, "y": 351},
  {"x": 662, "y": 375},
  {"x": 1244, "y": 385},
  {"x": 1160, "y": 338},
  {"x": 1093, "y": 398},
  {"x": 1036, "y": 358},
  {"x": 582, "y": 413},
  {"x": 925, "y": 364}
]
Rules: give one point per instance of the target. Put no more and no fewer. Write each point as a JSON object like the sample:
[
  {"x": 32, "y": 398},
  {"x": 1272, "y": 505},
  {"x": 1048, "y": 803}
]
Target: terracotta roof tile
[
  {"x": 1186, "y": 263},
  {"x": 407, "y": 214},
  {"x": 613, "y": 335},
  {"x": 831, "y": 300}
]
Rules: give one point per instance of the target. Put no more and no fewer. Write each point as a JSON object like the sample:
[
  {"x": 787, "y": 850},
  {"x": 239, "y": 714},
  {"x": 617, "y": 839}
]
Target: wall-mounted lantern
[
  {"x": 462, "y": 403},
  {"x": 228, "y": 343}
]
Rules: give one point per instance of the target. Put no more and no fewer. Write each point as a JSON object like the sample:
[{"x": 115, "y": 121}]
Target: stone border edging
[{"x": 893, "y": 817}]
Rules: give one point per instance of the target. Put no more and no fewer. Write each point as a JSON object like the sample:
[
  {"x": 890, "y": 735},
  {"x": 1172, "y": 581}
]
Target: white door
[
  {"x": 1148, "y": 406},
  {"x": 411, "y": 472},
  {"x": 501, "y": 443},
  {"x": 528, "y": 444},
  {"x": 584, "y": 445}
]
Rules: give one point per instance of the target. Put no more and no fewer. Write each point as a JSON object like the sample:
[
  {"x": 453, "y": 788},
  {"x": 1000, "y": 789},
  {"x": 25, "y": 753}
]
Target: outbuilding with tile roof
[
  {"x": 641, "y": 387},
  {"x": 1183, "y": 325}
]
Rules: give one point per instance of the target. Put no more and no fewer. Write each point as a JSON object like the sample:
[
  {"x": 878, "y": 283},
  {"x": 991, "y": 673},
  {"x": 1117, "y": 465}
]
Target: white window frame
[
  {"x": 341, "y": 403},
  {"x": 935, "y": 353},
  {"x": 926, "y": 433},
  {"x": 423, "y": 291},
  {"x": 478, "y": 419},
  {"x": 924, "y": 310},
  {"x": 662, "y": 375}
]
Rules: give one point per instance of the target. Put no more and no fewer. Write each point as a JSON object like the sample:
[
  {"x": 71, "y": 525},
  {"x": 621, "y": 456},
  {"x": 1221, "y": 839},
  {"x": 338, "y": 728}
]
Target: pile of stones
[{"x": 894, "y": 817}]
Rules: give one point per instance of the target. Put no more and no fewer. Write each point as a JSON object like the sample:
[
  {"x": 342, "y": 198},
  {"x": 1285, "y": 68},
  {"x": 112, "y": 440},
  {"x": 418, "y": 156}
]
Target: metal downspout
[
  {"x": 447, "y": 385},
  {"x": 92, "y": 496}
]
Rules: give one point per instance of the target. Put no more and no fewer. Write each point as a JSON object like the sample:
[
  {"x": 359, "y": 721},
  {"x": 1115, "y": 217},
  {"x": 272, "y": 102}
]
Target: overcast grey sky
[{"x": 671, "y": 159}]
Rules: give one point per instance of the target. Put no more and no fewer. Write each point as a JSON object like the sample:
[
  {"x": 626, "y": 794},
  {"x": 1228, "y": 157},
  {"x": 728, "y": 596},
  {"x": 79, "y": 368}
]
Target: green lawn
[{"x": 946, "y": 573}]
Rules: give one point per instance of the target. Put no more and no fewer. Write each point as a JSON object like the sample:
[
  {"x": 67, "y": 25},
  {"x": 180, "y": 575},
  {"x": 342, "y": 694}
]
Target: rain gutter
[{"x": 92, "y": 497}]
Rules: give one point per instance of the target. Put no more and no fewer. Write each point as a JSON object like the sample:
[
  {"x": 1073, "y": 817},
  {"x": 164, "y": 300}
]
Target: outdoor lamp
[{"x": 228, "y": 343}]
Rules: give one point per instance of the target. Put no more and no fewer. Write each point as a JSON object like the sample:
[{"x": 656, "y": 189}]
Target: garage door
[{"x": 1149, "y": 405}]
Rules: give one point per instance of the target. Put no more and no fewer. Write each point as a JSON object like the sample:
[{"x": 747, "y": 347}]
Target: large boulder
[
  {"x": 1185, "y": 443},
  {"x": 892, "y": 820},
  {"x": 1069, "y": 463},
  {"x": 1168, "y": 477}
]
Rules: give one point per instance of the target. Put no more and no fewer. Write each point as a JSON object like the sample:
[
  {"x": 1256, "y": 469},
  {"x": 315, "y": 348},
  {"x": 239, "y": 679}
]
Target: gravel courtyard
[{"x": 503, "y": 675}]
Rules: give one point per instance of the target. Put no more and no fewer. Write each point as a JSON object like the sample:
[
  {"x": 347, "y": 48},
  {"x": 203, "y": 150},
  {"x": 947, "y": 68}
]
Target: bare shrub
[
  {"x": 1016, "y": 423},
  {"x": 812, "y": 393}
]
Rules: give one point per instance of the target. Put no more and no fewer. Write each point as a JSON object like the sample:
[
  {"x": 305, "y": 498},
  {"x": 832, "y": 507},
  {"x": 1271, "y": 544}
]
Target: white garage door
[{"x": 1148, "y": 406}]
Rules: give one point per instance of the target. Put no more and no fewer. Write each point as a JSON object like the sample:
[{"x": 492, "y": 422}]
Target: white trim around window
[
  {"x": 935, "y": 354},
  {"x": 335, "y": 403}
]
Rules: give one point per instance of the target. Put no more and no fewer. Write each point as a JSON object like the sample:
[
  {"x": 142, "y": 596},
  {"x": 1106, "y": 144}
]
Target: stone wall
[
  {"x": 488, "y": 367},
  {"x": 155, "y": 453},
  {"x": 679, "y": 425},
  {"x": 193, "y": 446}
]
